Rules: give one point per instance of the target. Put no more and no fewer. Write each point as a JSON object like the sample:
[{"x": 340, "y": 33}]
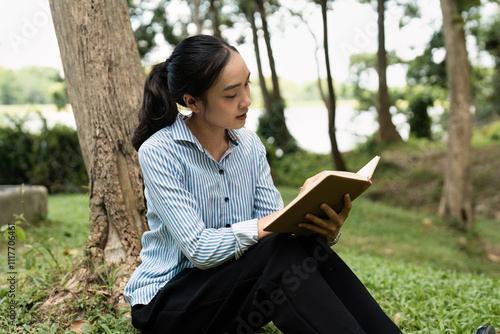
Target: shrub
[
  {"x": 293, "y": 169},
  {"x": 16, "y": 154},
  {"x": 51, "y": 158}
]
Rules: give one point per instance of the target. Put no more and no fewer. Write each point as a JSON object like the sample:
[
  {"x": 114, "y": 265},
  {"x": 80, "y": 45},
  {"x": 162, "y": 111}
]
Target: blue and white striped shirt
[{"x": 201, "y": 212}]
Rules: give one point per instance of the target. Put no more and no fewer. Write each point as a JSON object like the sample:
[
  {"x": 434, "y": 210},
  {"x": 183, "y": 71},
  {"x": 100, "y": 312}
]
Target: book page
[{"x": 369, "y": 168}]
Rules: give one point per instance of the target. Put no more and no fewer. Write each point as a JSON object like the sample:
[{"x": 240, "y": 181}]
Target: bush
[
  {"x": 51, "y": 158},
  {"x": 16, "y": 152},
  {"x": 293, "y": 169}
]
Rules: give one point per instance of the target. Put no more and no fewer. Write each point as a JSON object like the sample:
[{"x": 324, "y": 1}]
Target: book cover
[{"x": 330, "y": 188}]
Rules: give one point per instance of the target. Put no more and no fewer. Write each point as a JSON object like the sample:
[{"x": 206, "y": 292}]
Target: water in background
[{"x": 308, "y": 125}]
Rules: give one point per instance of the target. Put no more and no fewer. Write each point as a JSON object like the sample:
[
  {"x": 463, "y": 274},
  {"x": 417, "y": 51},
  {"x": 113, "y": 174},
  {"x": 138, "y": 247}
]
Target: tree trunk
[
  {"x": 267, "y": 38},
  {"x": 456, "y": 201},
  {"x": 331, "y": 100},
  {"x": 196, "y": 16},
  {"x": 250, "y": 14},
  {"x": 387, "y": 131},
  {"x": 105, "y": 82},
  {"x": 276, "y": 115},
  {"x": 214, "y": 17}
]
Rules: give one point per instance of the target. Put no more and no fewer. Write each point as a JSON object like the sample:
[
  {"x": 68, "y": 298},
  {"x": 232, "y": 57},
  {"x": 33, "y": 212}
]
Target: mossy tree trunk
[
  {"x": 456, "y": 201},
  {"x": 105, "y": 81}
]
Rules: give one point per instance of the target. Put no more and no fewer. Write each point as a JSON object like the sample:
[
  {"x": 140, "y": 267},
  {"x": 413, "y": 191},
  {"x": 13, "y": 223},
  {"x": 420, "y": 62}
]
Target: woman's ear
[{"x": 192, "y": 103}]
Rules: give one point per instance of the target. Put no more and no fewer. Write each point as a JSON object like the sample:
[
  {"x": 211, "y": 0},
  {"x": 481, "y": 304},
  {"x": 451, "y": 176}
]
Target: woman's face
[{"x": 227, "y": 101}]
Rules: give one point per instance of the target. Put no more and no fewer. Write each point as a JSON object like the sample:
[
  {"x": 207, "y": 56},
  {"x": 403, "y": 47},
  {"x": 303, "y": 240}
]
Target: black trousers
[{"x": 297, "y": 282}]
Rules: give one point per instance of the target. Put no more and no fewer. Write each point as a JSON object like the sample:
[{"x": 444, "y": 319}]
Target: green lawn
[{"x": 426, "y": 276}]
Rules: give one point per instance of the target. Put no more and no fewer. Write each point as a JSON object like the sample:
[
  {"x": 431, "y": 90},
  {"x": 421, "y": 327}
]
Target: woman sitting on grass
[{"x": 207, "y": 264}]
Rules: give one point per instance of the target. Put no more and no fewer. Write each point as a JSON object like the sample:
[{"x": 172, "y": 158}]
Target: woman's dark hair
[{"x": 193, "y": 67}]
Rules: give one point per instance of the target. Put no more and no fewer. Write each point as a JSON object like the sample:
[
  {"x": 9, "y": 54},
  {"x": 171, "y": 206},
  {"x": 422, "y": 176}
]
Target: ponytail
[{"x": 158, "y": 106}]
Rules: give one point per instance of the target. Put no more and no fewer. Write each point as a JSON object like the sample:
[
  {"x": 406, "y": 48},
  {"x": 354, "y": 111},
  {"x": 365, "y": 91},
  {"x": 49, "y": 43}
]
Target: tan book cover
[{"x": 330, "y": 188}]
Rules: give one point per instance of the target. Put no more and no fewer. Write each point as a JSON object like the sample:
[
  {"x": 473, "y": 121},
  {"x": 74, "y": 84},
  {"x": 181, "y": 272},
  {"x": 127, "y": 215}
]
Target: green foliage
[
  {"x": 425, "y": 69},
  {"x": 149, "y": 19},
  {"x": 59, "y": 94},
  {"x": 51, "y": 158},
  {"x": 31, "y": 85},
  {"x": 363, "y": 66},
  {"x": 485, "y": 79},
  {"x": 420, "y": 122},
  {"x": 16, "y": 151},
  {"x": 294, "y": 168},
  {"x": 14, "y": 231}
]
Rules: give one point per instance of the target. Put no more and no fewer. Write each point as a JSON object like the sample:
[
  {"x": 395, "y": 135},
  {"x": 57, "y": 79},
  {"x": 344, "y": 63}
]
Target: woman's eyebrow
[{"x": 235, "y": 85}]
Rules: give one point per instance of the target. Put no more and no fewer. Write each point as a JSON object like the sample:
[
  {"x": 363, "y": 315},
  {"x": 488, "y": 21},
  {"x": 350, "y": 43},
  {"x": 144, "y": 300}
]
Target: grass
[{"x": 426, "y": 276}]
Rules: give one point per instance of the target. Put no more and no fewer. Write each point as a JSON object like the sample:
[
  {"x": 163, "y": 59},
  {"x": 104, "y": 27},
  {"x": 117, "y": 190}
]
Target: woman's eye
[{"x": 231, "y": 96}]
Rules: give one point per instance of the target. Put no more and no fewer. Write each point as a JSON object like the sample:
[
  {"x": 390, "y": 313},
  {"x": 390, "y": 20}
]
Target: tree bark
[
  {"x": 456, "y": 201},
  {"x": 105, "y": 82},
  {"x": 331, "y": 100},
  {"x": 387, "y": 131}
]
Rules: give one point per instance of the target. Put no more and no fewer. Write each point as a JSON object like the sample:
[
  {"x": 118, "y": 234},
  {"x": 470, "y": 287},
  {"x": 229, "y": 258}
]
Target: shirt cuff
[{"x": 246, "y": 233}]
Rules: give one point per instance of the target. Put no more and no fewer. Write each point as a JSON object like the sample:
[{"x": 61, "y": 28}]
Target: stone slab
[{"x": 28, "y": 200}]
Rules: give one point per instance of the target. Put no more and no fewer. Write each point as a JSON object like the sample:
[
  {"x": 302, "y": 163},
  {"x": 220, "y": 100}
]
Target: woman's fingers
[{"x": 330, "y": 226}]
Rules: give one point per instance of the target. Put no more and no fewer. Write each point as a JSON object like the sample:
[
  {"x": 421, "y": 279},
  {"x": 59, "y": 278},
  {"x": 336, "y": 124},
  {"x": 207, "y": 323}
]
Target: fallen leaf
[
  {"x": 427, "y": 221},
  {"x": 77, "y": 326},
  {"x": 397, "y": 319},
  {"x": 493, "y": 258}
]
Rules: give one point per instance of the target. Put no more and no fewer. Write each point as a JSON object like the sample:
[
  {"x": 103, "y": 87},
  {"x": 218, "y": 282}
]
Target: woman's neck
[{"x": 212, "y": 139}]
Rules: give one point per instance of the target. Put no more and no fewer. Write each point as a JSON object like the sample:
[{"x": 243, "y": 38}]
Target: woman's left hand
[{"x": 328, "y": 228}]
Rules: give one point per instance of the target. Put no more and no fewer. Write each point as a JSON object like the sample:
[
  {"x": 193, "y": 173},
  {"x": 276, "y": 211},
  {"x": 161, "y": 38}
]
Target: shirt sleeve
[
  {"x": 179, "y": 216},
  {"x": 267, "y": 198}
]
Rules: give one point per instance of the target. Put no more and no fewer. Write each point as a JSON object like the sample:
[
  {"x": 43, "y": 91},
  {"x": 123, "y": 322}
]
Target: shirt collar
[{"x": 181, "y": 132}]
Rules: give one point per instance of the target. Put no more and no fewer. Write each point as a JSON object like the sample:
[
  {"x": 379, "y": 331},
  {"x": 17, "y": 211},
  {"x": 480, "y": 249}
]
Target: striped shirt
[{"x": 201, "y": 212}]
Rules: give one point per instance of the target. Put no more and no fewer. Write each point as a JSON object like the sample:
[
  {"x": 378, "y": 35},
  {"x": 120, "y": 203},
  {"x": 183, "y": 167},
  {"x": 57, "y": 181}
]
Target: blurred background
[{"x": 284, "y": 46}]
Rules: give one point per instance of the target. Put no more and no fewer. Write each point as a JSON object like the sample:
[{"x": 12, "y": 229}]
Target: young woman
[{"x": 207, "y": 264}]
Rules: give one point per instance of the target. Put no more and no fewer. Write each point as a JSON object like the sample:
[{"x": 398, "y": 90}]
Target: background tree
[
  {"x": 272, "y": 122},
  {"x": 31, "y": 85},
  {"x": 330, "y": 99},
  {"x": 105, "y": 81},
  {"x": 456, "y": 201},
  {"x": 249, "y": 9},
  {"x": 387, "y": 130},
  {"x": 426, "y": 85},
  {"x": 149, "y": 20}
]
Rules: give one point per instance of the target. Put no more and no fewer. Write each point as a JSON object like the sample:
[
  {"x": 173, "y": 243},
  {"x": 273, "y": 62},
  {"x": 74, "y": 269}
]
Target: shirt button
[
  {"x": 221, "y": 171},
  {"x": 226, "y": 199}
]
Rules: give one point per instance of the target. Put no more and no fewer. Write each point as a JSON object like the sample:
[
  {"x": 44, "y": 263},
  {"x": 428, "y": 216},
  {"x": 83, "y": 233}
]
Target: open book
[{"x": 329, "y": 187}]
